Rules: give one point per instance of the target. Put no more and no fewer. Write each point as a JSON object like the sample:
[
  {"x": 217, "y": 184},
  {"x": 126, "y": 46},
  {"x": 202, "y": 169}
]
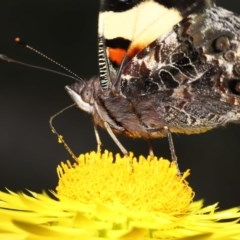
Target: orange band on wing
[{"x": 116, "y": 54}]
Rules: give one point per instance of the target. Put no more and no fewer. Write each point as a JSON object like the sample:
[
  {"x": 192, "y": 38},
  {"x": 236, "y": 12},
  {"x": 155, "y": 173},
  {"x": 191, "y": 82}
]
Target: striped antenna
[{"x": 19, "y": 41}]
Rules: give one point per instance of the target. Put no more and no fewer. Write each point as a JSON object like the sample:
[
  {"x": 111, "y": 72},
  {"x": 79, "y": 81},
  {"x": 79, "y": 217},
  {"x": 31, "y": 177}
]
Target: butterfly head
[{"x": 82, "y": 93}]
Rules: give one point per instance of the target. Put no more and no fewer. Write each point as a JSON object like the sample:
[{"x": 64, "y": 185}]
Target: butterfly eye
[
  {"x": 234, "y": 86},
  {"x": 221, "y": 44},
  {"x": 87, "y": 95}
]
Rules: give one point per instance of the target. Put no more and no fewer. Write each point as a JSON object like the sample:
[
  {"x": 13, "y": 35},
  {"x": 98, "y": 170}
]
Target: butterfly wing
[
  {"x": 126, "y": 27},
  {"x": 188, "y": 74}
]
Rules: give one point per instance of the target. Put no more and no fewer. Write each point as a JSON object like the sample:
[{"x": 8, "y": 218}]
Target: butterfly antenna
[
  {"x": 59, "y": 136},
  {"x": 11, "y": 60},
  {"x": 19, "y": 41},
  {"x": 70, "y": 75}
]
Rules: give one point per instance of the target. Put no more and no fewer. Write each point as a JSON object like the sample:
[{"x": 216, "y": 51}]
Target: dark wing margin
[{"x": 184, "y": 6}]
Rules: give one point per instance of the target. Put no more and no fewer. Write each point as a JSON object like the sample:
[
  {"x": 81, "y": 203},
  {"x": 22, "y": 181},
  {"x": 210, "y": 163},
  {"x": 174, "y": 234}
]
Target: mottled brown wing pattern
[{"x": 191, "y": 73}]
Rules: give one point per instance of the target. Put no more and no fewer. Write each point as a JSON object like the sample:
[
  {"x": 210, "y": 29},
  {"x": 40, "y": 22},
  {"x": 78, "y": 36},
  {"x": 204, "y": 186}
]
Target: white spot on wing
[{"x": 142, "y": 24}]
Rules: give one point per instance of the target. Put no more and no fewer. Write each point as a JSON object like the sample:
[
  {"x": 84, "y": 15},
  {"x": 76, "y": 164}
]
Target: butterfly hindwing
[
  {"x": 188, "y": 75},
  {"x": 162, "y": 51}
]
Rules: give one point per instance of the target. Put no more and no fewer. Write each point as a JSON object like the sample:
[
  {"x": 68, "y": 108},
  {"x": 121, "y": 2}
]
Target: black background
[{"x": 29, "y": 153}]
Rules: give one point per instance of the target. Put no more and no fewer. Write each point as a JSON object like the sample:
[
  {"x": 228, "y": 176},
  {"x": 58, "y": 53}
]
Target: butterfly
[{"x": 164, "y": 67}]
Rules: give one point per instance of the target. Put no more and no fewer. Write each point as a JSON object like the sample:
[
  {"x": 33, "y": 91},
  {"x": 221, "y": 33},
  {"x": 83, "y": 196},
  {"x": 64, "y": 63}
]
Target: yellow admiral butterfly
[{"x": 165, "y": 67}]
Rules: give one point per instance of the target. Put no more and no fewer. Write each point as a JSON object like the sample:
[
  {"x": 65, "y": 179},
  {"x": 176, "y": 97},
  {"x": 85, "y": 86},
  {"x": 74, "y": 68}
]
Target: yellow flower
[
  {"x": 126, "y": 200},
  {"x": 146, "y": 185}
]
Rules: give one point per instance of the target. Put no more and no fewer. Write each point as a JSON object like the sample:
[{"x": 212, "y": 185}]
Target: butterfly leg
[
  {"x": 113, "y": 136},
  {"x": 172, "y": 149},
  {"x": 99, "y": 142},
  {"x": 150, "y": 148}
]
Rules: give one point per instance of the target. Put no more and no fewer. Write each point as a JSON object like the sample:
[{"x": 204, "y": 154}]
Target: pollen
[{"x": 138, "y": 184}]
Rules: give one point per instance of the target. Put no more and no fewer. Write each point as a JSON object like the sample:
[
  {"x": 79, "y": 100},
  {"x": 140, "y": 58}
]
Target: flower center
[{"x": 148, "y": 185}]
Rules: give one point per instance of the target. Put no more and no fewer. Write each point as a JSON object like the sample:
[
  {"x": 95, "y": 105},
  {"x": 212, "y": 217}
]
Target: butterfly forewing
[{"x": 127, "y": 27}]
